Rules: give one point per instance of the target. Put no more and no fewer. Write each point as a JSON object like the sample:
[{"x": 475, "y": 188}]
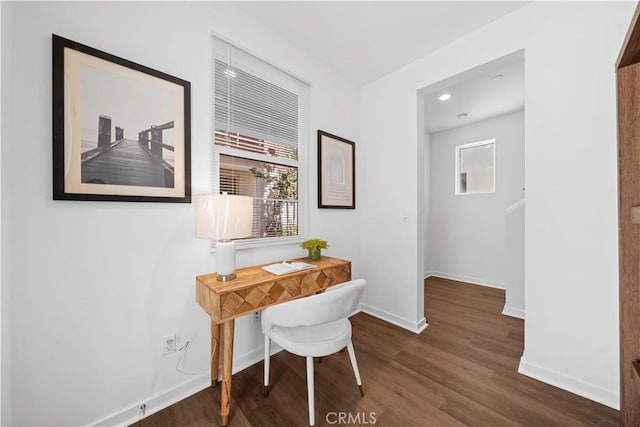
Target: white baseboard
[
  {"x": 415, "y": 327},
  {"x": 593, "y": 392},
  {"x": 468, "y": 279},
  {"x": 158, "y": 402},
  {"x": 513, "y": 312}
]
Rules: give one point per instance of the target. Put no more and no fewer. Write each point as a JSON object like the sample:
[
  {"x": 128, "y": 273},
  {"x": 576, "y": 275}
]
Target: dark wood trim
[
  {"x": 629, "y": 238},
  {"x": 628, "y": 94},
  {"x": 635, "y": 372}
]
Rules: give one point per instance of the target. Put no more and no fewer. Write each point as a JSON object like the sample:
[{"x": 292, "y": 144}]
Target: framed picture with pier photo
[
  {"x": 121, "y": 131},
  {"x": 336, "y": 172}
]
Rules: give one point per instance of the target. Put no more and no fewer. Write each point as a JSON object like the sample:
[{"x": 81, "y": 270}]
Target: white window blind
[{"x": 261, "y": 129}]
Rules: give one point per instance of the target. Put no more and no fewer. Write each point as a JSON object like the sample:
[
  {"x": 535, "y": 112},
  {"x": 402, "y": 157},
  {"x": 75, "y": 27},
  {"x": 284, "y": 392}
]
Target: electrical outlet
[
  {"x": 257, "y": 316},
  {"x": 168, "y": 344}
]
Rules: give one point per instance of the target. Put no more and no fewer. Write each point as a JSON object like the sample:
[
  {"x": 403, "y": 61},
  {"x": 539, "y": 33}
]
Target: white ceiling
[
  {"x": 478, "y": 93},
  {"x": 365, "y": 40}
]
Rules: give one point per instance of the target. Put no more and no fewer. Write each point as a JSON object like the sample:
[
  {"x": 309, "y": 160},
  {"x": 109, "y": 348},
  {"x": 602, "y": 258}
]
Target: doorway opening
[{"x": 474, "y": 178}]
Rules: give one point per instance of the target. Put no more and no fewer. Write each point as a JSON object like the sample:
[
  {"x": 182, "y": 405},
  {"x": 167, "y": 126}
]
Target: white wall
[
  {"x": 468, "y": 240},
  {"x": 4, "y": 330},
  {"x": 391, "y": 204},
  {"x": 514, "y": 272},
  {"x": 95, "y": 285},
  {"x": 571, "y": 332},
  {"x": 424, "y": 139}
]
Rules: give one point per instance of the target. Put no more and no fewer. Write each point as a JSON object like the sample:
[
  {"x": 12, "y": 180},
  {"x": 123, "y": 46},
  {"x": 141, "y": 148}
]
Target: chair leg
[
  {"x": 310, "y": 396},
  {"x": 354, "y": 364},
  {"x": 267, "y": 360}
]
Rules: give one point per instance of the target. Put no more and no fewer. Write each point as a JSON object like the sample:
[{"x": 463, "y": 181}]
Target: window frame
[
  {"x": 456, "y": 171},
  {"x": 303, "y": 211}
]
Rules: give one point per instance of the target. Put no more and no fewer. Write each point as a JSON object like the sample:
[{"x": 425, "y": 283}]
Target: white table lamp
[{"x": 222, "y": 217}]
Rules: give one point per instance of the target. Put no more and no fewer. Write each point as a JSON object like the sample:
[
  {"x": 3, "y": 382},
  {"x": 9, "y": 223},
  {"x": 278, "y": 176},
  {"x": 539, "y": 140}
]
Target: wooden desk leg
[
  {"x": 227, "y": 360},
  {"x": 215, "y": 352}
]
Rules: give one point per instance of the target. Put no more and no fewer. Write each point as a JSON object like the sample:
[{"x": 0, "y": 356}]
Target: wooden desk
[{"x": 255, "y": 289}]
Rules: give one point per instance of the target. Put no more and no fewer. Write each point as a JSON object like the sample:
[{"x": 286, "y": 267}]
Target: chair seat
[{"x": 315, "y": 341}]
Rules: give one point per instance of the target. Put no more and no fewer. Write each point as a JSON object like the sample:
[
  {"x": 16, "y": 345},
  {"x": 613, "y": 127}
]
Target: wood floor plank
[
  {"x": 455, "y": 404},
  {"x": 479, "y": 388},
  {"x": 460, "y": 371}
]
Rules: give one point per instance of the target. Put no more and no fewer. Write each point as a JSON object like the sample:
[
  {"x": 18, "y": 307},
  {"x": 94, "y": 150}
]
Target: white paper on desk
[{"x": 281, "y": 268}]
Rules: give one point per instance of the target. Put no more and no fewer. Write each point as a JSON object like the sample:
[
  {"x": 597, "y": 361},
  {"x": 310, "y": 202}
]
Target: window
[
  {"x": 260, "y": 137},
  {"x": 475, "y": 168}
]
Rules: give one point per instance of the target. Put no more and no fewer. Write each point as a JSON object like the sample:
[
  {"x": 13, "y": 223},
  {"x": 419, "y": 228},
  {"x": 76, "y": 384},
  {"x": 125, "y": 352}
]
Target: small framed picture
[
  {"x": 121, "y": 131},
  {"x": 336, "y": 172}
]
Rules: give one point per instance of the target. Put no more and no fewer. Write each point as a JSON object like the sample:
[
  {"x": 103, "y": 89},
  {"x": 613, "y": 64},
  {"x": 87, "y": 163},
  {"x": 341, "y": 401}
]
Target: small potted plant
[{"x": 314, "y": 246}]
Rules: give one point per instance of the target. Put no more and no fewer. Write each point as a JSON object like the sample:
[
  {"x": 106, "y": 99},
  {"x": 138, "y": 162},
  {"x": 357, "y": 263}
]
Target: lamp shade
[{"x": 223, "y": 216}]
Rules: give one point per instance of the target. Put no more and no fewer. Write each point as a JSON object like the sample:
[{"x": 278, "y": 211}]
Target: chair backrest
[{"x": 317, "y": 309}]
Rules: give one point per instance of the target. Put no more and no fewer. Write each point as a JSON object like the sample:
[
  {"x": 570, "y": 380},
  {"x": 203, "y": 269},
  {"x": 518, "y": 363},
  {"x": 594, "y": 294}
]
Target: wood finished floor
[{"x": 462, "y": 370}]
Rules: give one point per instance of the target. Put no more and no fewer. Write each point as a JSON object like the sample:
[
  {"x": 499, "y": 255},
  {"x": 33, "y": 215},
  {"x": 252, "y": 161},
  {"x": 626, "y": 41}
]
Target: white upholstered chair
[{"x": 313, "y": 326}]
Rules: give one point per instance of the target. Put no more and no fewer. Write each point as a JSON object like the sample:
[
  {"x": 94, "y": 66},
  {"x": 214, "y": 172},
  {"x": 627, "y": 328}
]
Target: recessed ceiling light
[
  {"x": 498, "y": 77},
  {"x": 444, "y": 96},
  {"x": 462, "y": 116}
]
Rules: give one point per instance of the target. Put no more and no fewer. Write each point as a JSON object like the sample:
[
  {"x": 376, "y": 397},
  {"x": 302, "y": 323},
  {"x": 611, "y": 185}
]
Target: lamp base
[
  {"x": 225, "y": 260},
  {"x": 225, "y": 277}
]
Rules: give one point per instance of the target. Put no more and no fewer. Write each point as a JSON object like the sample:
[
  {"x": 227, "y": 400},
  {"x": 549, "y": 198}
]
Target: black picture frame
[
  {"x": 121, "y": 131},
  {"x": 336, "y": 172}
]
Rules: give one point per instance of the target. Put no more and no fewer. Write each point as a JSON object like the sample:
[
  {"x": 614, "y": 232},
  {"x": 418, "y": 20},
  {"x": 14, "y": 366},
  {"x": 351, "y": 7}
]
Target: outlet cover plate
[{"x": 168, "y": 344}]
